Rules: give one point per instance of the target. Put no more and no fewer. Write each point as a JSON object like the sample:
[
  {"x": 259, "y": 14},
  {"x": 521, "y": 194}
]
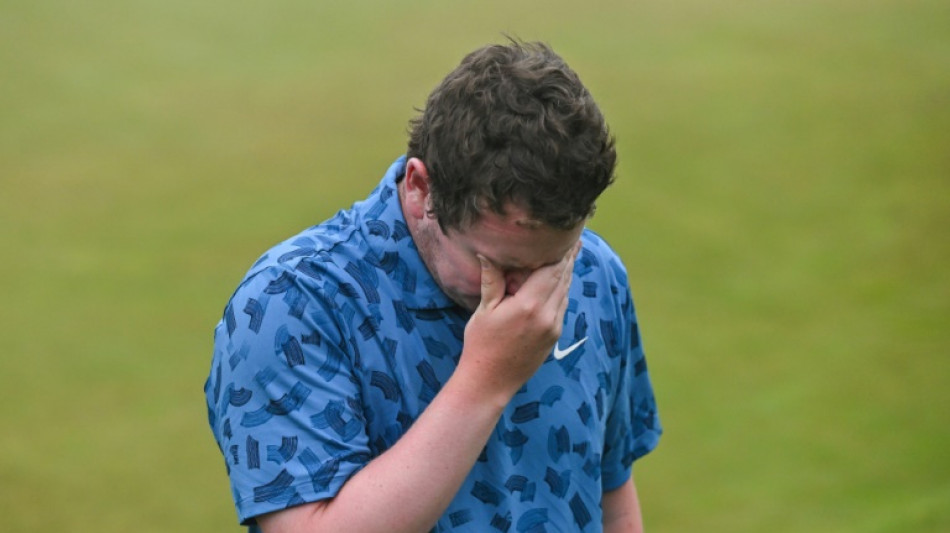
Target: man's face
[{"x": 514, "y": 242}]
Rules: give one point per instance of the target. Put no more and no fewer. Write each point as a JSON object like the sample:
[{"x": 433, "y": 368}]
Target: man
[{"x": 456, "y": 352}]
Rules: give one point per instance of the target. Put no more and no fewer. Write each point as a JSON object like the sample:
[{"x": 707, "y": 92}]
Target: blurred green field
[{"x": 783, "y": 205}]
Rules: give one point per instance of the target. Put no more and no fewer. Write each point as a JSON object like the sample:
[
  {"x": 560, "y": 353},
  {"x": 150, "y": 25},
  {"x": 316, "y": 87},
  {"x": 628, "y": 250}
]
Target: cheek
[
  {"x": 462, "y": 272},
  {"x": 469, "y": 275}
]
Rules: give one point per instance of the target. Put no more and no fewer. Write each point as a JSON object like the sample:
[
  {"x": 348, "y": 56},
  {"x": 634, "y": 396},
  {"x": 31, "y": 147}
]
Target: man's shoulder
[
  {"x": 318, "y": 247},
  {"x": 598, "y": 257},
  {"x": 594, "y": 241}
]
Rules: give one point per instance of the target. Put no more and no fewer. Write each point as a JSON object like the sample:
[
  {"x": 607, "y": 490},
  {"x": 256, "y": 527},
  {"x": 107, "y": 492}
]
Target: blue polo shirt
[{"x": 338, "y": 338}]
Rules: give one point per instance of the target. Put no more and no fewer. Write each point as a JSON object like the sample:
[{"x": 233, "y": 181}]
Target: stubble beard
[{"x": 427, "y": 244}]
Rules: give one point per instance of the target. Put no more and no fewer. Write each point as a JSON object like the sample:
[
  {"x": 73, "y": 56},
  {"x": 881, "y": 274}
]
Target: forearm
[
  {"x": 408, "y": 487},
  {"x": 621, "y": 508}
]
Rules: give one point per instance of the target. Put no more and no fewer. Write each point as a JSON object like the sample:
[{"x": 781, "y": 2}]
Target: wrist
[{"x": 468, "y": 388}]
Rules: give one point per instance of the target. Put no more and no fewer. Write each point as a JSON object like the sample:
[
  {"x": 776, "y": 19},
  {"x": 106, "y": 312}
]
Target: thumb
[{"x": 493, "y": 284}]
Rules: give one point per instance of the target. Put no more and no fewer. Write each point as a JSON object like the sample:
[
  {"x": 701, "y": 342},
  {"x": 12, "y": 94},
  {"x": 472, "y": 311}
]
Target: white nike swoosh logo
[{"x": 561, "y": 354}]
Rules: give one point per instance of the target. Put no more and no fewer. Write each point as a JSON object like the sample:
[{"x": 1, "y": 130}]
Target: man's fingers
[
  {"x": 563, "y": 275},
  {"x": 564, "y": 280},
  {"x": 493, "y": 284},
  {"x": 565, "y": 287}
]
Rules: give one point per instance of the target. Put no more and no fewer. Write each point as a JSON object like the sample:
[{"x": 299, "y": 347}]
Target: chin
[{"x": 469, "y": 303}]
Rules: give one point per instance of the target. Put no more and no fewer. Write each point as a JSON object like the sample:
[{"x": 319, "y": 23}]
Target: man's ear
[{"x": 416, "y": 200}]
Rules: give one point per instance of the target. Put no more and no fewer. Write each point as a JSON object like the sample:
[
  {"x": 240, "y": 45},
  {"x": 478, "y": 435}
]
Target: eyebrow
[
  {"x": 515, "y": 265},
  {"x": 505, "y": 264}
]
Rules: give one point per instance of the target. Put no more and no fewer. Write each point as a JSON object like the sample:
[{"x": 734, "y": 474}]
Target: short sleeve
[
  {"x": 633, "y": 425},
  {"x": 283, "y": 401}
]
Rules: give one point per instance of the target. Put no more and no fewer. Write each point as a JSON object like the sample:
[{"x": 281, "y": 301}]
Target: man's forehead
[
  {"x": 528, "y": 252},
  {"x": 509, "y": 213},
  {"x": 526, "y": 259}
]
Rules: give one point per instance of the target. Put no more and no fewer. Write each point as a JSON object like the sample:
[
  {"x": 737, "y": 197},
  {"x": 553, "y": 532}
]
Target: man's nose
[{"x": 514, "y": 279}]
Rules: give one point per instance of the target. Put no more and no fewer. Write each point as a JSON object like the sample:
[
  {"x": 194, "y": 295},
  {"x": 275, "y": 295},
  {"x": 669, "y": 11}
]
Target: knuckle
[{"x": 529, "y": 309}]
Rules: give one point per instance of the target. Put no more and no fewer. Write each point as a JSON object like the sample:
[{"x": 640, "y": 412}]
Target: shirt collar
[{"x": 391, "y": 247}]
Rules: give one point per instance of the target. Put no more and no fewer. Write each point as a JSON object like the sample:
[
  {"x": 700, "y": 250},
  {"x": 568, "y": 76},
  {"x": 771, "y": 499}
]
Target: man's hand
[{"x": 509, "y": 336}]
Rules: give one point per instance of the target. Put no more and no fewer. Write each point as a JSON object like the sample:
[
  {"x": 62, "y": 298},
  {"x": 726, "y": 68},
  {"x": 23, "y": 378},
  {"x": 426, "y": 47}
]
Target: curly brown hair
[{"x": 513, "y": 123}]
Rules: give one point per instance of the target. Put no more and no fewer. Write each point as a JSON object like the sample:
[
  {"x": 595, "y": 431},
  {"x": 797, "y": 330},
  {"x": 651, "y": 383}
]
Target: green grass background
[{"x": 783, "y": 205}]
